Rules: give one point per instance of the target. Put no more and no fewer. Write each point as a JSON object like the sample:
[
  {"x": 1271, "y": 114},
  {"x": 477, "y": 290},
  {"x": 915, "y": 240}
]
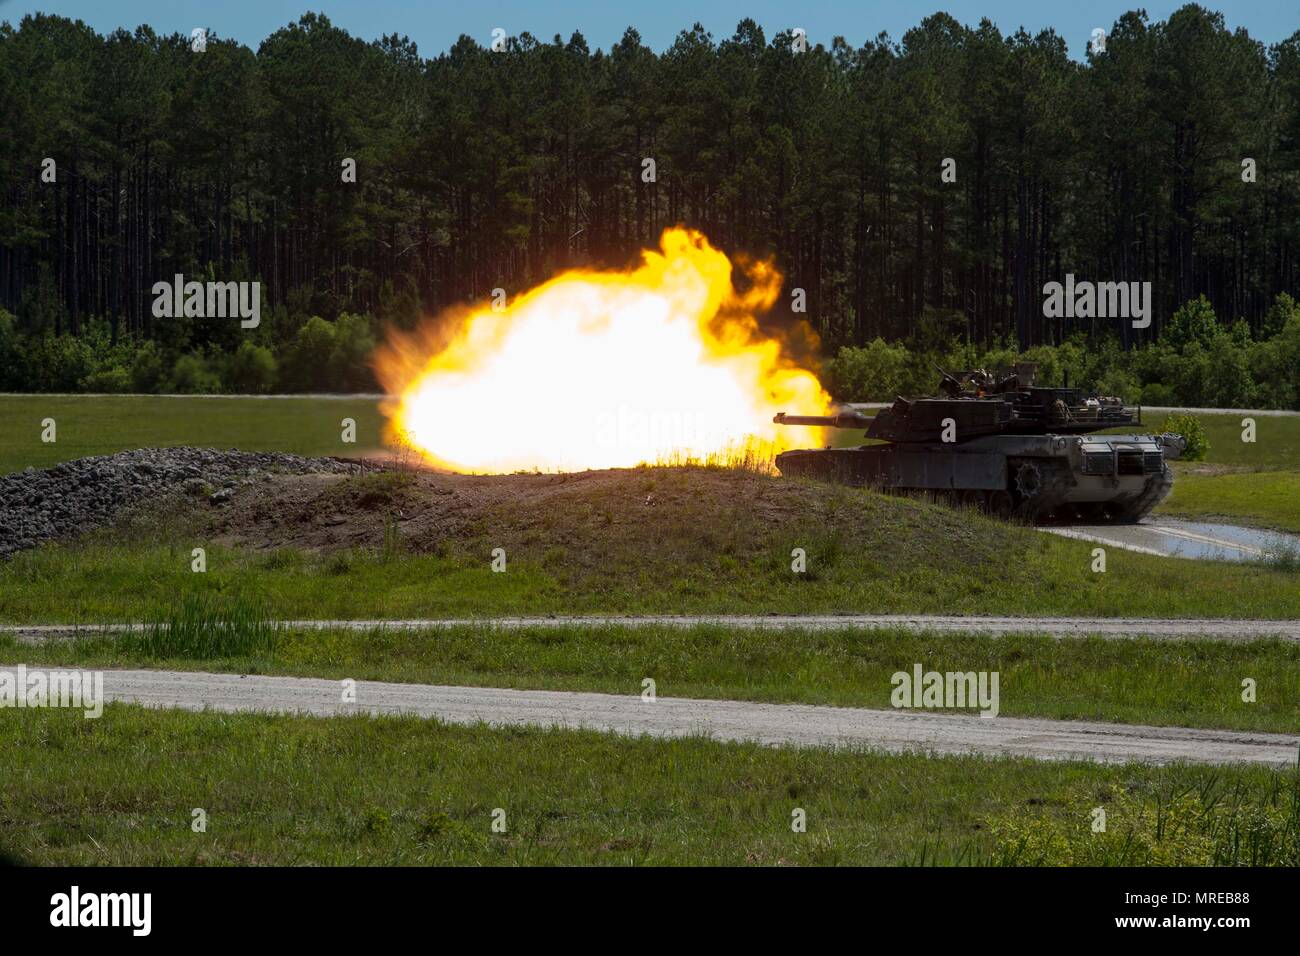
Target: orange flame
[{"x": 603, "y": 369}]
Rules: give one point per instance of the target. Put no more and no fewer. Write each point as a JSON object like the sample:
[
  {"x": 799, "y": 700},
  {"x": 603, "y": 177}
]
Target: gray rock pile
[{"x": 78, "y": 495}]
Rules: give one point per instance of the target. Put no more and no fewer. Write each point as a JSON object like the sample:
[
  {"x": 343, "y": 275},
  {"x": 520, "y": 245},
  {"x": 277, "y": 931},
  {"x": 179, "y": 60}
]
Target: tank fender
[{"x": 1019, "y": 446}]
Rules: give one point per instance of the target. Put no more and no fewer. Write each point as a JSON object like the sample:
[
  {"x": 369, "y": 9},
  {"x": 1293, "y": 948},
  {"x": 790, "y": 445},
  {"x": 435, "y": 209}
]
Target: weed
[
  {"x": 202, "y": 627},
  {"x": 1208, "y": 824}
]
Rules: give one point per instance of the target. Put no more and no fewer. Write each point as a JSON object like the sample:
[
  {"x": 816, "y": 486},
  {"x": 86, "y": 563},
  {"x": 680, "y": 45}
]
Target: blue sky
[{"x": 435, "y": 24}]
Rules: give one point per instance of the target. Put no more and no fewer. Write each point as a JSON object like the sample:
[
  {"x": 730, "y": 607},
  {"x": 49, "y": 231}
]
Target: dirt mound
[
  {"x": 80, "y": 495},
  {"x": 594, "y": 518},
  {"x": 640, "y": 524}
]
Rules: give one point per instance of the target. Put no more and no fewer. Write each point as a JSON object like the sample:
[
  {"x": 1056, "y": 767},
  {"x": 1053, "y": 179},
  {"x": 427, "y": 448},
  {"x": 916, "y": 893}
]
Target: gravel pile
[{"x": 76, "y": 496}]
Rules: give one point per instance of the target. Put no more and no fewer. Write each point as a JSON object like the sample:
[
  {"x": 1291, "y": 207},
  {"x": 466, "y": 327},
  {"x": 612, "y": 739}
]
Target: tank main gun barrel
[{"x": 842, "y": 420}]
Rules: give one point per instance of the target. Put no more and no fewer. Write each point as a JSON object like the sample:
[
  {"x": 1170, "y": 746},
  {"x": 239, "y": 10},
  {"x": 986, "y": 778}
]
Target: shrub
[
  {"x": 10, "y": 374},
  {"x": 1191, "y": 376},
  {"x": 251, "y": 370},
  {"x": 192, "y": 376},
  {"x": 1158, "y": 393},
  {"x": 1227, "y": 375},
  {"x": 399, "y": 305},
  {"x": 1156, "y": 367},
  {"x": 1275, "y": 368},
  {"x": 54, "y": 364},
  {"x": 1193, "y": 322},
  {"x": 1283, "y": 310},
  {"x": 112, "y": 379},
  {"x": 1050, "y": 373},
  {"x": 147, "y": 369},
  {"x": 997, "y": 359},
  {"x": 1118, "y": 382},
  {"x": 306, "y": 360},
  {"x": 875, "y": 373},
  {"x": 1193, "y": 432},
  {"x": 349, "y": 365}
]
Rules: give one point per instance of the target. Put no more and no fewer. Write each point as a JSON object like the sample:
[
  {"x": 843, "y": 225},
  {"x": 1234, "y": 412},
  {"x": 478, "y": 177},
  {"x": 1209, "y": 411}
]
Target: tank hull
[{"x": 1041, "y": 478}]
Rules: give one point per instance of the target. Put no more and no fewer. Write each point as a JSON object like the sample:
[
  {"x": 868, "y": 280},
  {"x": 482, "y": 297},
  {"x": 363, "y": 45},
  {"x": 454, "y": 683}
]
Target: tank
[{"x": 1000, "y": 443}]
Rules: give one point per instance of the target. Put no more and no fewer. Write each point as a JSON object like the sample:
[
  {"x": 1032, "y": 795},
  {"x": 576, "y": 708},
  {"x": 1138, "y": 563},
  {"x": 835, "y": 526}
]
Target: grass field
[
  {"x": 296, "y": 790},
  {"x": 1266, "y": 499},
  {"x": 1177, "y": 683},
  {"x": 121, "y": 790},
  {"x": 310, "y": 426},
  {"x": 1276, "y": 446},
  {"x": 711, "y": 543},
  {"x": 568, "y": 554},
  {"x": 105, "y": 424}
]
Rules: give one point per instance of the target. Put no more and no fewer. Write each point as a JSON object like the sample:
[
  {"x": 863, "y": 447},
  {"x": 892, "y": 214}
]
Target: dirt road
[
  {"x": 1111, "y": 627},
  {"x": 789, "y": 724}
]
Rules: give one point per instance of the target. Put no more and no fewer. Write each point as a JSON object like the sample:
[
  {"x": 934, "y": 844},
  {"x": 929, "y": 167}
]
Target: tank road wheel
[
  {"x": 1029, "y": 482},
  {"x": 1028, "y": 486}
]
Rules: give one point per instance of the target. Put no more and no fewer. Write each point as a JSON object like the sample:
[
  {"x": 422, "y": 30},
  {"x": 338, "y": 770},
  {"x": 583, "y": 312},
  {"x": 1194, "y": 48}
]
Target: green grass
[
  {"x": 295, "y": 790},
  {"x": 921, "y": 559},
  {"x": 1276, "y": 446},
  {"x": 121, "y": 790},
  {"x": 199, "y": 626},
  {"x": 104, "y": 425},
  {"x": 581, "y": 547},
  {"x": 1173, "y": 683},
  {"x": 1266, "y": 499},
  {"x": 310, "y": 426},
  {"x": 1208, "y": 822}
]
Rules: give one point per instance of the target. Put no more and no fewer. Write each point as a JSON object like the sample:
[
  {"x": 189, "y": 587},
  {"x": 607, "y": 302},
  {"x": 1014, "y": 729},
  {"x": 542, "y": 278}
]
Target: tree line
[{"x": 1171, "y": 155}]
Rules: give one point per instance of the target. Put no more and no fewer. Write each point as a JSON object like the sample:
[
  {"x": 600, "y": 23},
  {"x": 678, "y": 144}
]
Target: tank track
[
  {"x": 1034, "y": 492},
  {"x": 1156, "y": 491}
]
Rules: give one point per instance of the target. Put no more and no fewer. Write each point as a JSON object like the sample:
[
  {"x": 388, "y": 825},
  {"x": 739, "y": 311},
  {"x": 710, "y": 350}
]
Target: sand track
[
  {"x": 1224, "y": 629},
  {"x": 775, "y": 724}
]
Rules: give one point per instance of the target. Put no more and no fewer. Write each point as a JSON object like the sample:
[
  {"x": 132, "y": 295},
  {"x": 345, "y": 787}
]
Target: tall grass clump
[
  {"x": 203, "y": 627},
  {"x": 1281, "y": 556},
  {"x": 752, "y": 454},
  {"x": 393, "y": 546},
  {"x": 1211, "y": 823}
]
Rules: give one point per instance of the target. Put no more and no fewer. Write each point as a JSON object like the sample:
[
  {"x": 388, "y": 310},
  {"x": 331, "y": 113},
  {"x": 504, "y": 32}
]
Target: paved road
[
  {"x": 1175, "y": 538},
  {"x": 1112, "y": 627},
  {"x": 789, "y": 724}
]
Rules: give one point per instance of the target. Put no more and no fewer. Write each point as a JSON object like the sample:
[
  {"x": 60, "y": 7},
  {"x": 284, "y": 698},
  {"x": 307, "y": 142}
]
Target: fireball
[{"x": 595, "y": 369}]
